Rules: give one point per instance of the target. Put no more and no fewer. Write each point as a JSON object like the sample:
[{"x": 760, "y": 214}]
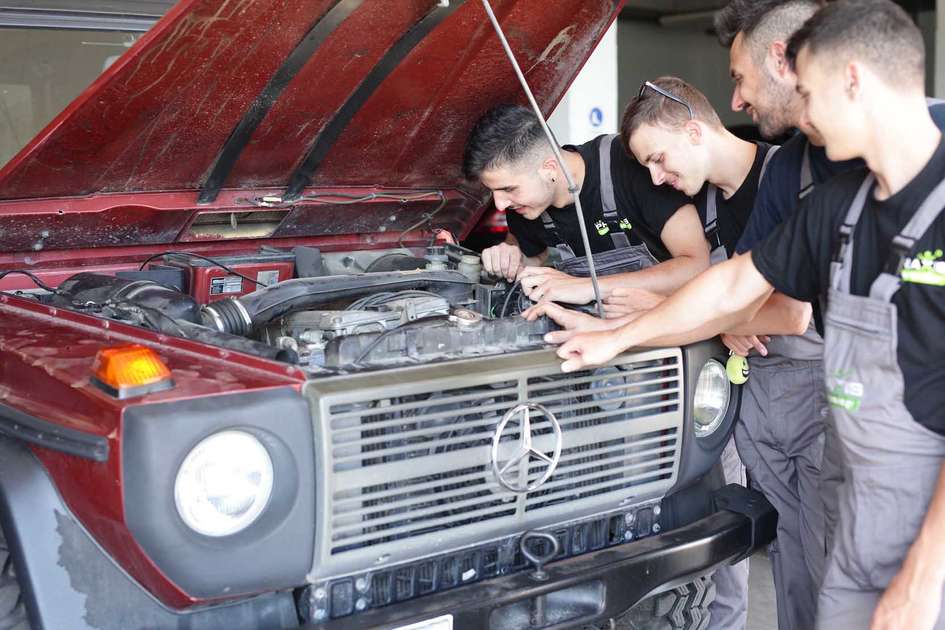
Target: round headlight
[
  {"x": 710, "y": 402},
  {"x": 224, "y": 483}
]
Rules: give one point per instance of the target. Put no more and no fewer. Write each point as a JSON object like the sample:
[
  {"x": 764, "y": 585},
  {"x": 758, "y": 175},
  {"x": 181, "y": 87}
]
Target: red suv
[{"x": 246, "y": 383}]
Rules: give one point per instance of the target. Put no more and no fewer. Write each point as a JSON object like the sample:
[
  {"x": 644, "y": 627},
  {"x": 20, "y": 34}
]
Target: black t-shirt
[
  {"x": 734, "y": 212},
  {"x": 795, "y": 259},
  {"x": 646, "y": 206},
  {"x": 777, "y": 199}
]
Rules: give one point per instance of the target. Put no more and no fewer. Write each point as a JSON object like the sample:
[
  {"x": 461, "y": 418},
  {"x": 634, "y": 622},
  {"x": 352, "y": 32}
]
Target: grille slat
[
  {"x": 623, "y": 450},
  {"x": 428, "y": 432},
  {"x": 587, "y": 380},
  {"x": 499, "y": 407},
  {"x": 409, "y": 459},
  {"x": 413, "y": 513},
  {"x": 459, "y": 398},
  {"x": 591, "y": 473},
  {"x": 394, "y": 533},
  {"x": 566, "y": 408},
  {"x": 391, "y": 494}
]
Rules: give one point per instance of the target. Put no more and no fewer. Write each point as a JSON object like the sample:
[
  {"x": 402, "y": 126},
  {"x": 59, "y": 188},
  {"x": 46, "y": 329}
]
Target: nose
[
  {"x": 805, "y": 118},
  {"x": 501, "y": 201},
  {"x": 738, "y": 103},
  {"x": 657, "y": 175}
]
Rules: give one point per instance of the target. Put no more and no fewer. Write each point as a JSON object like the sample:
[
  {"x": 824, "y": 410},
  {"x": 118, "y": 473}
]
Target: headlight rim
[
  {"x": 699, "y": 429},
  {"x": 258, "y": 510}
]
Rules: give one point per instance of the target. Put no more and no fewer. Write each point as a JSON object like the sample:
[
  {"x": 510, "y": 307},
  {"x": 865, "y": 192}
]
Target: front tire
[
  {"x": 685, "y": 607},
  {"x": 12, "y": 609}
]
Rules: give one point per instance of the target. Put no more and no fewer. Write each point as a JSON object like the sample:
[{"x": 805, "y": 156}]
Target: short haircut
[
  {"x": 762, "y": 21},
  {"x": 653, "y": 108},
  {"x": 505, "y": 135},
  {"x": 877, "y": 32}
]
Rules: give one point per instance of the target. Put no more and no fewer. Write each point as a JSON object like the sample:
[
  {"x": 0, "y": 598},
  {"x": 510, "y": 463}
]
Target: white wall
[
  {"x": 589, "y": 108},
  {"x": 647, "y": 51}
]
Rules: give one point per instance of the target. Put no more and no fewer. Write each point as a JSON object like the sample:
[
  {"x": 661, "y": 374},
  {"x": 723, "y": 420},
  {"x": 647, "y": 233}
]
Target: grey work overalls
[
  {"x": 624, "y": 257},
  {"x": 891, "y": 462},
  {"x": 780, "y": 438}
]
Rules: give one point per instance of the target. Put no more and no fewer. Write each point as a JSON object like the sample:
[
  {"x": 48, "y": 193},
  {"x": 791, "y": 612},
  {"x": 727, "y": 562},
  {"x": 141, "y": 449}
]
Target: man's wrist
[
  {"x": 926, "y": 562},
  {"x": 626, "y": 336}
]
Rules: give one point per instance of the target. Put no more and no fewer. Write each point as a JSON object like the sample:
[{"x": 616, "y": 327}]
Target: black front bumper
[{"x": 595, "y": 586}]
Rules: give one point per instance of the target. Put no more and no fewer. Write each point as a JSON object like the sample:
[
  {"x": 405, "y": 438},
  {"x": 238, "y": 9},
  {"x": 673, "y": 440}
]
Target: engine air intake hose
[{"x": 240, "y": 316}]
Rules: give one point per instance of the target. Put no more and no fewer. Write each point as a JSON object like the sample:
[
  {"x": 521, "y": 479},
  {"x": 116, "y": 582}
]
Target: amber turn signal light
[{"x": 130, "y": 370}]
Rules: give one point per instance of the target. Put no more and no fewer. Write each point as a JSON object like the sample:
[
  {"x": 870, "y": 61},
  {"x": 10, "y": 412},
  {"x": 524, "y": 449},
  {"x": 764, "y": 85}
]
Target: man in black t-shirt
[
  {"x": 631, "y": 224},
  {"x": 870, "y": 245}
]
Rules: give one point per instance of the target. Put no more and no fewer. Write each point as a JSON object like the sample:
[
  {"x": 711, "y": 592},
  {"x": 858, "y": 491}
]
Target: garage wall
[{"x": 647, "y": 50}]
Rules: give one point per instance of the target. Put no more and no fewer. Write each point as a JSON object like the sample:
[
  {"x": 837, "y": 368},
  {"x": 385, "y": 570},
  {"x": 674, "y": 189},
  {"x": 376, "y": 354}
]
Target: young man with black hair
[
  {"x": 637, "y": 232},
  {"x": 869, "y": 243}
]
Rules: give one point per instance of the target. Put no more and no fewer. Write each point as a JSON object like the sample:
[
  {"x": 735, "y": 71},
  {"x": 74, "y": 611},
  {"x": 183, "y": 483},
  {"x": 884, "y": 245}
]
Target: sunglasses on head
[{"x": 662, "y": 92}]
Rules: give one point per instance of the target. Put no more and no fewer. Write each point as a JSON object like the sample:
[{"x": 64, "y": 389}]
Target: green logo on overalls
[
  {"x": 625, "y": 225},
  {"x": 926, "y": 268},
  {"x": 602, "y": 228},
  {"x": 844, "y": 393}
]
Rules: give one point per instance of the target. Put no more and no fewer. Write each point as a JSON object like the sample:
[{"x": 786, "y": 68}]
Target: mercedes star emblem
[{"x": 517, "y": 480}]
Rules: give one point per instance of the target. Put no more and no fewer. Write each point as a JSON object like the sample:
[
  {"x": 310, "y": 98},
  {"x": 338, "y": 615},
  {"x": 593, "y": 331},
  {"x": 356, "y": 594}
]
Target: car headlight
[
  {"x": 710, "y": 402},
  {"x": 224, "y": 483}
]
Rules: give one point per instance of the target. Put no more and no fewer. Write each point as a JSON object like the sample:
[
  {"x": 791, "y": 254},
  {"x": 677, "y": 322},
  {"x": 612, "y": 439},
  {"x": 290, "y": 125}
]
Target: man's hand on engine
[
  {"x": 573, "y": 322},
  {"x": 504, "y": 260},
  {"x": 545, "y": 284},
  {"x": 630, "y": 301}
]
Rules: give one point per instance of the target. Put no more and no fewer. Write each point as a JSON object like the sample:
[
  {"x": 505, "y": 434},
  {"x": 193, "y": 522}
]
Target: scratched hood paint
[{"x": 223, "y": 99}]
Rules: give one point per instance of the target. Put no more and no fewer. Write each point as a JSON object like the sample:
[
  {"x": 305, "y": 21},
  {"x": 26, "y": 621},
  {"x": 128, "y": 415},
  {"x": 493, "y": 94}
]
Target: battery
[{"x": 208, "y": 282}]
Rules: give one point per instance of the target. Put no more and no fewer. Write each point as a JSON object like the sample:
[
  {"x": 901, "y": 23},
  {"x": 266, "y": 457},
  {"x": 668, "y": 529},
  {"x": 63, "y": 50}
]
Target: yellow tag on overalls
[{"x": 737, "y": 368}]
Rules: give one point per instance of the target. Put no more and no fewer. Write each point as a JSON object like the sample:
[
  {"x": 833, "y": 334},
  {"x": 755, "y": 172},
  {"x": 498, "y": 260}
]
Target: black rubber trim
[
  {"x": 22, "y": 426},
  {"x": 273, "y": 553},
  {"x": 329, "y": 134},
  {"x": 629, "y": 573},
  {"x": 239, "y": 138}
]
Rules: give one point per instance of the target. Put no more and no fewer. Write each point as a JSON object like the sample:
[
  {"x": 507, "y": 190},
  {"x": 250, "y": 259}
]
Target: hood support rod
[{"x": 572, "y": 186}]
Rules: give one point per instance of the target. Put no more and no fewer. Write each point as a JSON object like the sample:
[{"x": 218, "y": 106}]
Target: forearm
[
  {"x": 780, "y": 315},
  {"x": 927, "y": 554},
  {"x": 723, "y": 297},
  {"x": 664, "y": 278}
]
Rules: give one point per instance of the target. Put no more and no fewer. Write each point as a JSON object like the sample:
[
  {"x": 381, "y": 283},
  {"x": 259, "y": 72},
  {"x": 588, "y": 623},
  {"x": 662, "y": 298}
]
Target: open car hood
[{"x": 225, "y": 102}]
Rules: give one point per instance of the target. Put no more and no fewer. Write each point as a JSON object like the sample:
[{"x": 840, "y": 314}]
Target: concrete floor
[{"x": 762, "y": 612}]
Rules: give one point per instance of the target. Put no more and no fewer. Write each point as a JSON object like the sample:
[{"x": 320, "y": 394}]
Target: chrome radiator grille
[{"x": 404, "y": 456}]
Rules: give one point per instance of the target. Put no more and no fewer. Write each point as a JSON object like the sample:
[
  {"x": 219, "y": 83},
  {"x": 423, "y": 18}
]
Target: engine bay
[{"x": 325, "y": 313}]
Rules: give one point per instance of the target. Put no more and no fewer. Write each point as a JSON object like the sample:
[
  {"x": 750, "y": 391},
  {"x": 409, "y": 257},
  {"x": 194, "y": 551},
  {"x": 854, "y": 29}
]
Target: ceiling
[{"x": 697, "y": 14}]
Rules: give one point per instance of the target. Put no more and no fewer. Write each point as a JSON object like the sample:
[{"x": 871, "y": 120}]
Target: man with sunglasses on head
[
  {"x": 638, "y": 233},
  {"x": 690, "y": 149}
]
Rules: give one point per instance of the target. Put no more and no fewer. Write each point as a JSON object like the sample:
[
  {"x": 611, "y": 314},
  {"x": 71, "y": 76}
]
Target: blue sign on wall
[{"x": 597, "y": 117}]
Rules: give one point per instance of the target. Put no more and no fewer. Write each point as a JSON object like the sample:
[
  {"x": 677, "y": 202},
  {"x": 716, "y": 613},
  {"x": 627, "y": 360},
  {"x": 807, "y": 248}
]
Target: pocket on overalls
[{"x": 887, "y": 523}]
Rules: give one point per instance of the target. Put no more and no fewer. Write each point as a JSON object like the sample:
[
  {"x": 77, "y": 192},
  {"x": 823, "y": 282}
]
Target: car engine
[{"x": 340, "y": 314}]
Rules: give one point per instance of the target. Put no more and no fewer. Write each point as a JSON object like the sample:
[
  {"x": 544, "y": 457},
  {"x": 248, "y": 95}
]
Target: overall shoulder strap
[
  {"x": 841, "y": 266},
  {"x": 764, "y": 165},
  {"x": 608, "y": 200},
  {"x": 807, "y": 175},
  {"x": 888, "y": 282}
]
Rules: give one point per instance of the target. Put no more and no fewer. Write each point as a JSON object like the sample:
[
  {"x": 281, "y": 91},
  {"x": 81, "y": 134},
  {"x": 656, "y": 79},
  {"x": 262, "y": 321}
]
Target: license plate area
[
  {"x": 440, "y": 623},
  {"x": 580, "y": 602}
]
